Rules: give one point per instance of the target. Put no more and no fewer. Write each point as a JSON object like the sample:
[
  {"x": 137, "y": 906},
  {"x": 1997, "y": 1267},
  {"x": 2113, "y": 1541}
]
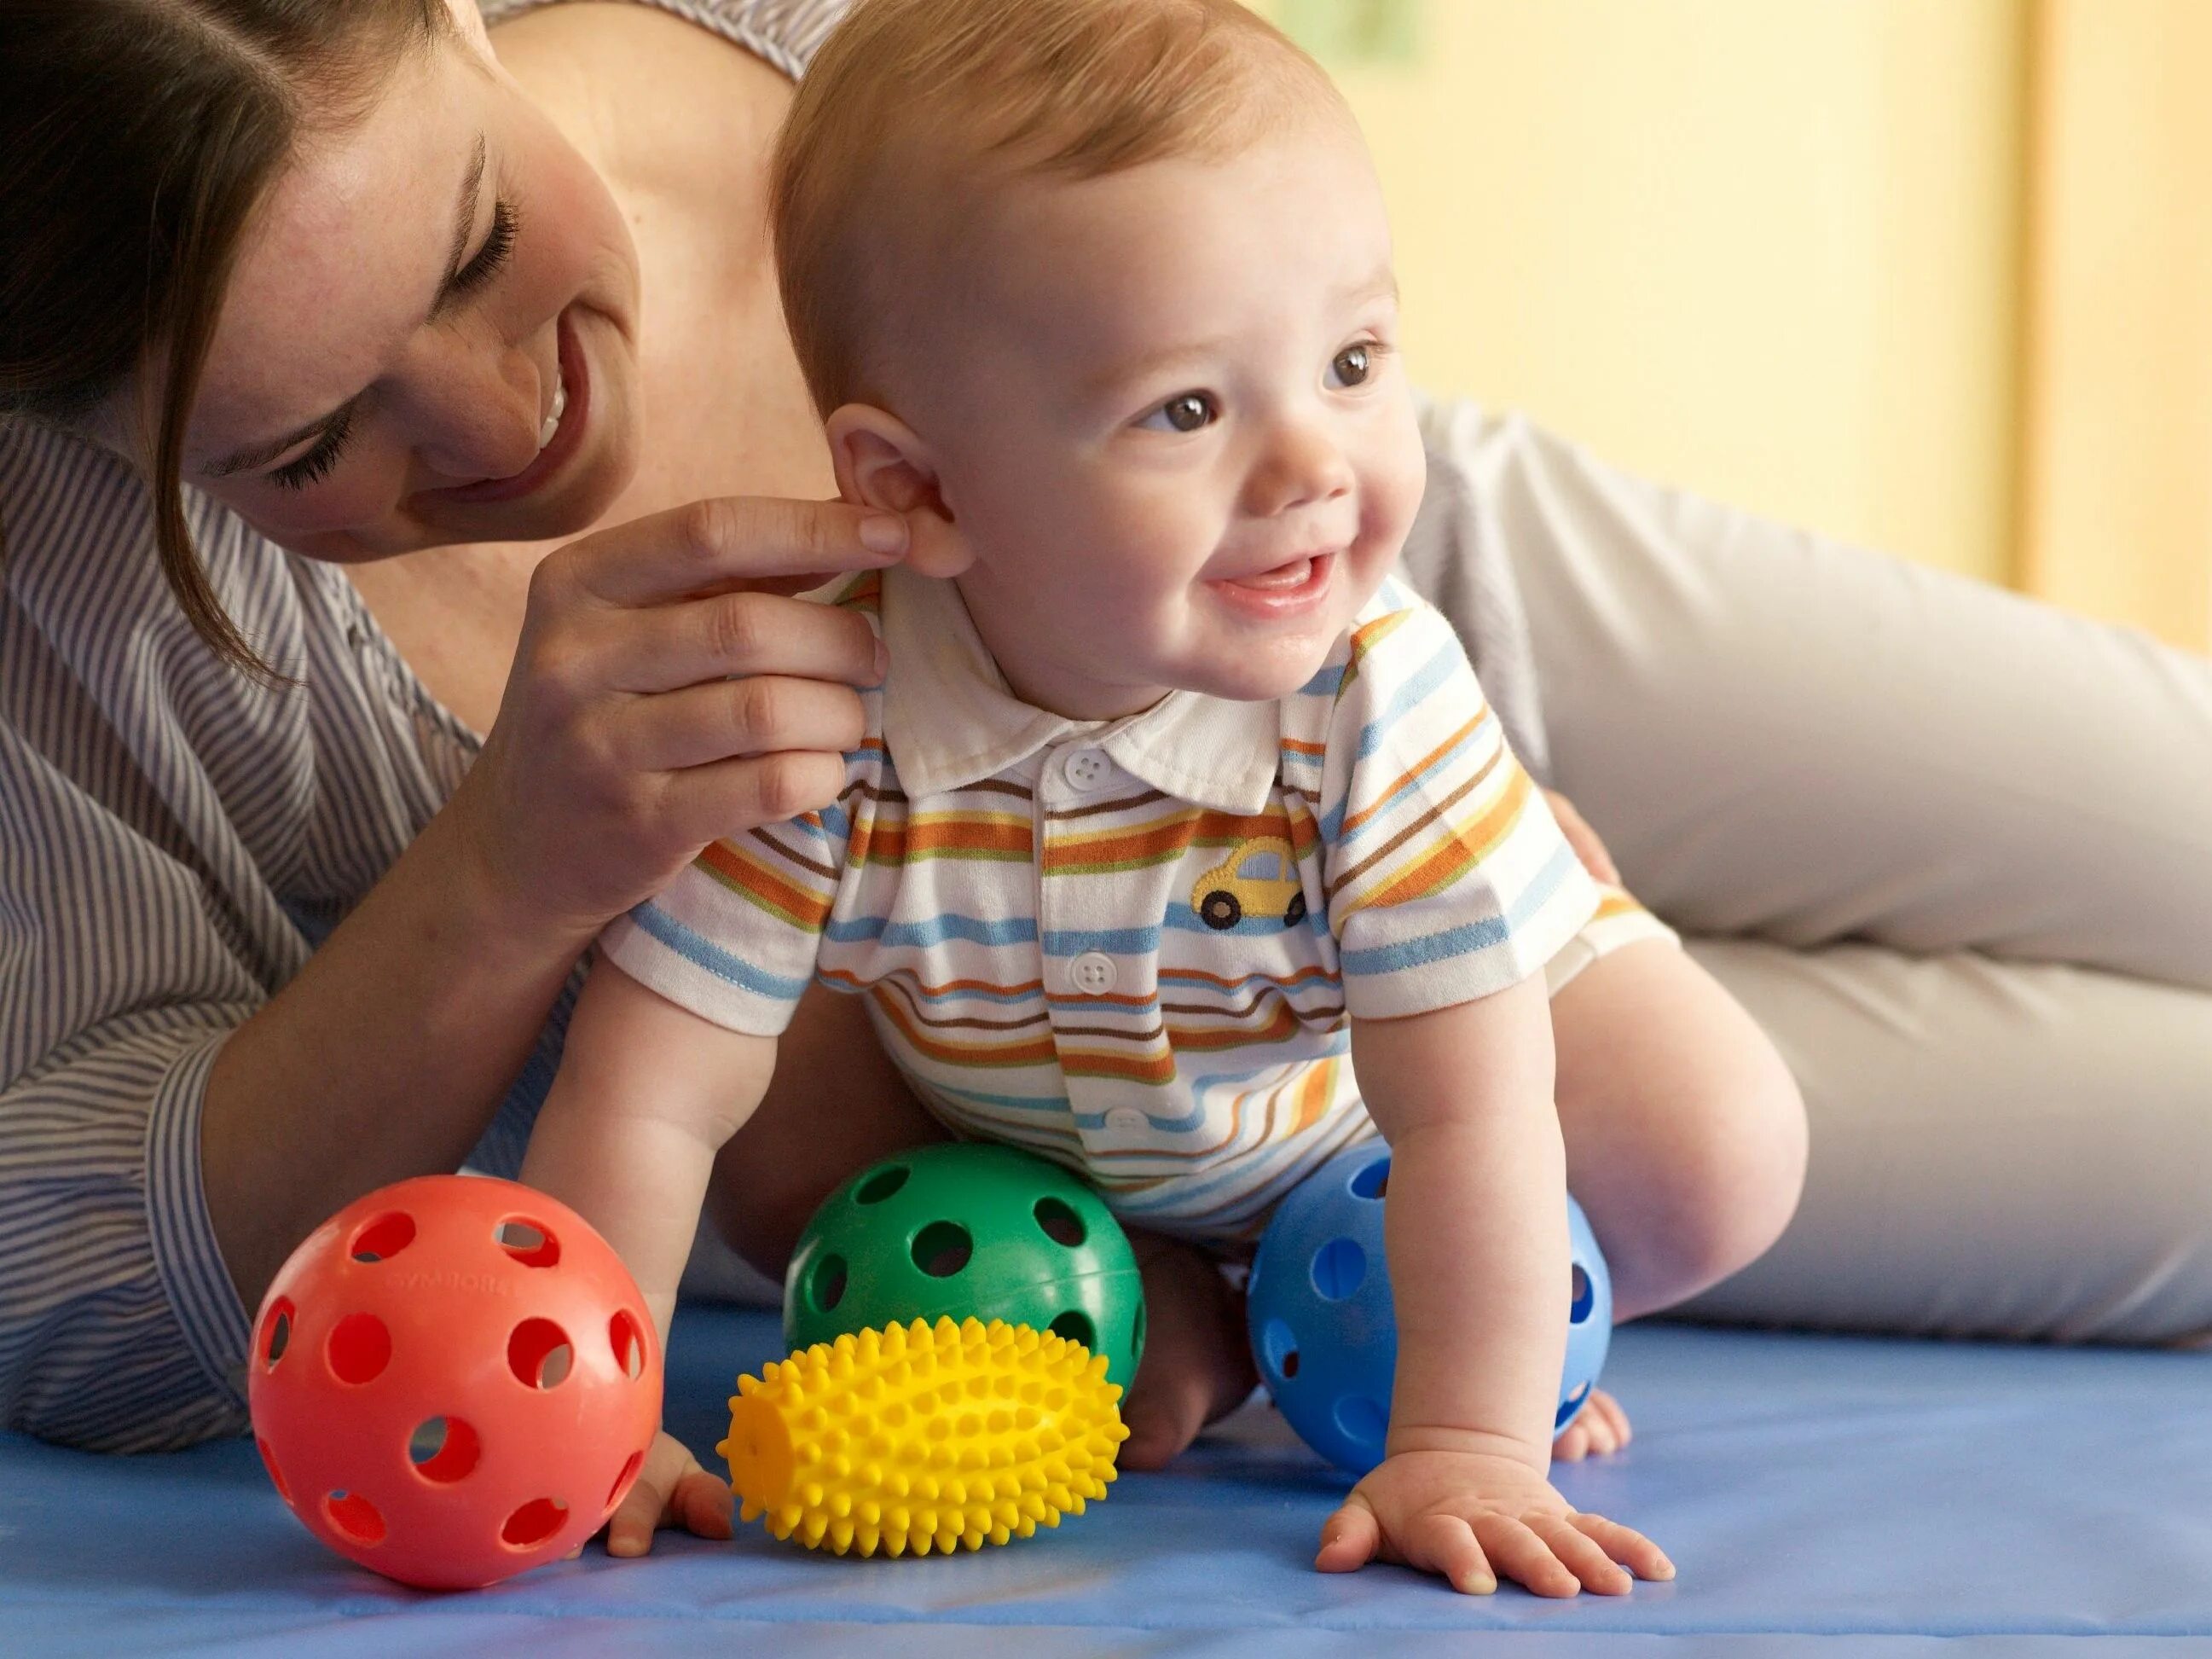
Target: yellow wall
[
  {"x": 1766, "y": 249},
  {"x": 2116, "y": 515}
]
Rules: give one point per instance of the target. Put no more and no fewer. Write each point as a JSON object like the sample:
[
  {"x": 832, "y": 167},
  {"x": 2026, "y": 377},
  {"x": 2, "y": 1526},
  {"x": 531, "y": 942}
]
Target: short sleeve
[{"x": 1448, "y": 878}]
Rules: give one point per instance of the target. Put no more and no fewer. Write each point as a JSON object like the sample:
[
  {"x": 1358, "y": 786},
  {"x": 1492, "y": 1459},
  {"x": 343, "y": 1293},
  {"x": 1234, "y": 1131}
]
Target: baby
[{"x": 1182, "y": 848}]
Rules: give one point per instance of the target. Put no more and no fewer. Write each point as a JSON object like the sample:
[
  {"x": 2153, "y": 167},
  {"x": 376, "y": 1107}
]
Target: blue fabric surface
[{"x": 1814, "y": 1491}]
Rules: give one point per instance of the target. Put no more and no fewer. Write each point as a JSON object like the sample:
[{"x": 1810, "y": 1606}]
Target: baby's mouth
[{"x": 1282, "y": 578}]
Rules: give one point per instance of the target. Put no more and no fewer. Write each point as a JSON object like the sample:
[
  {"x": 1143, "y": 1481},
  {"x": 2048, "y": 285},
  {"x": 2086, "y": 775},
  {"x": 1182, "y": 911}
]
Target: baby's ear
[{"x": 881, "y": 463}]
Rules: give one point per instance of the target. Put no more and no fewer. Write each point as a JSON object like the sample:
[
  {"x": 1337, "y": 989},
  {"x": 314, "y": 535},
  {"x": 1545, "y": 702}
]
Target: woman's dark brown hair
[{"x": 137, "y": 137}]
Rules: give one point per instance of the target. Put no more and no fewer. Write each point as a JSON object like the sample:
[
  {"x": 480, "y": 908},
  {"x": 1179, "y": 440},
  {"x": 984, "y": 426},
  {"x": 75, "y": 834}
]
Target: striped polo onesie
[{"x": 1133, "y": 946}]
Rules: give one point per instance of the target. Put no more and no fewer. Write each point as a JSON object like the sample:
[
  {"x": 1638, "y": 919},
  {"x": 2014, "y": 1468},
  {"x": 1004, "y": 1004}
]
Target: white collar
[{"x": 950, "y": 719}]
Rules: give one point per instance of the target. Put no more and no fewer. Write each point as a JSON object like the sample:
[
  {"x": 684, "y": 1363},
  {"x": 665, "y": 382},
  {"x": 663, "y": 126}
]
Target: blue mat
[{"x": 1862, "y": 1496}]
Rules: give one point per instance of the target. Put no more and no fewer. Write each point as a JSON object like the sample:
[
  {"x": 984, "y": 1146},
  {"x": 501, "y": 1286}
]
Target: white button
[
  {"x": 1092, "y": 973},
  {"x": 1087, "y": 770},
  {"x": 1127, "y": 1120}
]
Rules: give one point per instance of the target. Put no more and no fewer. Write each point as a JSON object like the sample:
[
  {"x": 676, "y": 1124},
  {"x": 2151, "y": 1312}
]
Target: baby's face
[{"x": 1171, "y": 425}]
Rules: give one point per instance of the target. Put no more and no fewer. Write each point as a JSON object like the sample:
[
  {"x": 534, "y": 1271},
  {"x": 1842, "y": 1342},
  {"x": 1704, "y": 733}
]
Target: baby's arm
[
  {"x": 1477, "y": 1229},
  {"x": 646, "y": 1096}
]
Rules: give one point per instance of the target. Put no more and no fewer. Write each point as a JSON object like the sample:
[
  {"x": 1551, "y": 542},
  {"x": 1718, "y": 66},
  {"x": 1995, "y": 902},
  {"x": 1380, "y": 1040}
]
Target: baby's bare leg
[{"x": 1685, "y": 1134}]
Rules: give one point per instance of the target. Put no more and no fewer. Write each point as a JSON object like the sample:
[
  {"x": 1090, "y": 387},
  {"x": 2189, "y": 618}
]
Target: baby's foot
[
  {"x": 1600, "y": 1427},
  {"x": 1197, "y": 1364}
]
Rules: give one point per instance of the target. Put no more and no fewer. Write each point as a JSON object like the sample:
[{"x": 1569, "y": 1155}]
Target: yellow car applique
[{"x": 1259, "y": 878}]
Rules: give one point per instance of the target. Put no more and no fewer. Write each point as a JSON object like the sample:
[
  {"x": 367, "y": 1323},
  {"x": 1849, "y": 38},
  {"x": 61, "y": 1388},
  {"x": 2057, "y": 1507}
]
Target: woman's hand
[
  {"x": 1584, "y": 839},
  {"x": 669, "y": 691}
]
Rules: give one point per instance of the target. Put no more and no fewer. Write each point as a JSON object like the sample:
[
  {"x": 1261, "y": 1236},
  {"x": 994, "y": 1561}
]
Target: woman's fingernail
[{"x": 882, "y": 533}]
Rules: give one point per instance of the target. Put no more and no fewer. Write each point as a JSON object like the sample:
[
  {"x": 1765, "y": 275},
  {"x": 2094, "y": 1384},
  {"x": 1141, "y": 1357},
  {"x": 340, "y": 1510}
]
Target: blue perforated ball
[{"x": 1324, "y": 1333}]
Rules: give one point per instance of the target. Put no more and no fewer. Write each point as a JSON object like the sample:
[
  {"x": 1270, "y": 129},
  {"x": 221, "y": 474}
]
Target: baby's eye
[
  {"x": 1354, "y": 364},
  {"x": 1186, "y": 411}
]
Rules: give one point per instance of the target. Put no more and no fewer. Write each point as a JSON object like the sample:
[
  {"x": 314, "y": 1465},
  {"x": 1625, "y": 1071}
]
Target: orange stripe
[
  {"x": 753, "y": 881},
  {"x": 1390, "y": 796}
]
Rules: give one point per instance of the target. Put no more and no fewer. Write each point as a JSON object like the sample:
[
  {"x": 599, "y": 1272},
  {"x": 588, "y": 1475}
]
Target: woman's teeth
[{"x": 551, "y": 424}]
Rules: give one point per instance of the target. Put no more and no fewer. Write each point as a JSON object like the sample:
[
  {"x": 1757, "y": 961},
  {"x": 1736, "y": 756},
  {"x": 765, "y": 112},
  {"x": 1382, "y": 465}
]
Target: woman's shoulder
[{"x": 783, "y": 32}]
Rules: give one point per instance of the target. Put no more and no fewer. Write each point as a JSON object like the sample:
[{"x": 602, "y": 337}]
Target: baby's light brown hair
[{"x": 915, "y": 109}]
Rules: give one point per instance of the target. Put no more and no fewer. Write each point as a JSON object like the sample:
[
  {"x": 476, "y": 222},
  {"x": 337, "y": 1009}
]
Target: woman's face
[{"x": 431, "y": 333}]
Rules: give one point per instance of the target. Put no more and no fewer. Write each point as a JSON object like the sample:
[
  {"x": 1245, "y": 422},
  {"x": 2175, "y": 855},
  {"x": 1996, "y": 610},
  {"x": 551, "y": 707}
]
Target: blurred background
[{"x": 1930, "y": 276}]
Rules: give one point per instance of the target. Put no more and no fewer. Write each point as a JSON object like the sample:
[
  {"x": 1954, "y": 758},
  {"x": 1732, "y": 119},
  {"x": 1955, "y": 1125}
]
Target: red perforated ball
[{"x": 454, "y": 1380}]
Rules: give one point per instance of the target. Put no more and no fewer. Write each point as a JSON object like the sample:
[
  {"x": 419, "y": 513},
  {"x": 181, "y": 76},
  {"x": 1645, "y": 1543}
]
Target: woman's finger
[
  {"x": 725, "y": 542},
  {"x": 723, "y": 635},
  {"x": 704, "y": 804},
  {"x": 729, "y": 719}
]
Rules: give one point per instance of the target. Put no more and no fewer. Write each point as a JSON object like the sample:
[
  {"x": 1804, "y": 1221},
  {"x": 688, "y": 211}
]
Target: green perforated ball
[{"x": 962, "y": 1231}]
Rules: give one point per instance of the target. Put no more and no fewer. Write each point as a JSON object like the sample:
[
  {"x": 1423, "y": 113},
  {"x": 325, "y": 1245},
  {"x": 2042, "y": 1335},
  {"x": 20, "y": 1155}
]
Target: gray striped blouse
[{"x": 174, "y": 842}]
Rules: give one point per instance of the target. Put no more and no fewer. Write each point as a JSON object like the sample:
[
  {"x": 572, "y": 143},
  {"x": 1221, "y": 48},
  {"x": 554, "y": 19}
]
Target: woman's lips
[{"x": 576, "y": 382}]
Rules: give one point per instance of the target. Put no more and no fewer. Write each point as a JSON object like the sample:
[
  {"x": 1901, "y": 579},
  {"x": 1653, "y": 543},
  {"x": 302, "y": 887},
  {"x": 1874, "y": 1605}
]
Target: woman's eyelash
[
  {"x": 315, "y": 465},
  {"x": 505, "y": 222}
]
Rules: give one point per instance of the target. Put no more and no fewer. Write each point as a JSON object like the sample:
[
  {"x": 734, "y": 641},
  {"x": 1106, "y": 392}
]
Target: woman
[{"x": 436, "y": 314}]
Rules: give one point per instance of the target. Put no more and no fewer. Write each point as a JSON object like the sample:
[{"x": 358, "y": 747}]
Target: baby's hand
[
  {"x": 1474, "y": 1516},
  {"x": 670, "y": 1490}
]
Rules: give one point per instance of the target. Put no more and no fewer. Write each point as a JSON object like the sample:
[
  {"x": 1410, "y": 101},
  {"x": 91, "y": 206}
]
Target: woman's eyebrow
[{"x": 465, "y": 220}]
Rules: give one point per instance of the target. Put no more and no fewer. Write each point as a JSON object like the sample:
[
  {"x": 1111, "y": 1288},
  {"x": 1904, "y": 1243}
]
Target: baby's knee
[{"x": 1741, "y": 1170}]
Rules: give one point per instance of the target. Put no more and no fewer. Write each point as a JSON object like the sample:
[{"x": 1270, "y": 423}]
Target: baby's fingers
[
  {"x": 1626, "y": 1545},
  {"x": 1581, "y": 1556},
  {"x": 1348, "y": 1538},
  {"x": 1445, "y": 1545},
  {"x": 1519, "y": 1555}
]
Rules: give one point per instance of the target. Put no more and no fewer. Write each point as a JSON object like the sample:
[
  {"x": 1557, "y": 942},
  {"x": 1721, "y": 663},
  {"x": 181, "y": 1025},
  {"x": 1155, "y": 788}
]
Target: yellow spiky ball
[{"x": 917, "y": 1436}]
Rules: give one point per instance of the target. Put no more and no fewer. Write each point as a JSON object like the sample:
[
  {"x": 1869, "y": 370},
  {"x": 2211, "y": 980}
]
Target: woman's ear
[{"x": 881, "y": 462}]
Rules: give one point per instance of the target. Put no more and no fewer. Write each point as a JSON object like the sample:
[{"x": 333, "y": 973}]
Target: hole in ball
[
  {"x": 1340, "y": 1266},
  {"x": 1373, "y": 1180},
  {"x": 1076, "y": 1327},
  {"x": 627, "y": 1337},
  {"x": 269, "y": 1462},
  {"x": 359, "y": 1349},
  {"x": 1582, "y": 1296},
  {"x": 1137, "y": 1335},
  {"x": 825, "y": 1285},
  {"x": 529, "y": 1243},
  {"x": 620, "y": 1487},
  {"x": 1279, "y": 1350},
  {"x": 384, "y": 1238},
  {"x": 1061, "y": 1224},
  {"x": 533, "y": 1523},
  {"x": 276, "y": 1332},
  {"x": 354, "y": 1515},
  {"x": 538, "y": 1353},
  {"x": 443, "y": 1449},
  {"x": 1569, "y": 1406},
  {"x": 882, "y": 1184},
  {"x": 1362, "y": 1421},
  {"x": 942, "y": 1248}
]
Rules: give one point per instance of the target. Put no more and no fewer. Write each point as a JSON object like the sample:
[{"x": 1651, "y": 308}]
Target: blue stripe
[
  {"x": 933, "y": 929},
  {"x": 703, "y": 953},
  {"x": 1470, "y": 937}
]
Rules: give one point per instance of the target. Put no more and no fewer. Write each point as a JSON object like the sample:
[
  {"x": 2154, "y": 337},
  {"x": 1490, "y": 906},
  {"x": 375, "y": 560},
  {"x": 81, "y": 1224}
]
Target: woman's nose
[
  {"x": 1302, "y": 465},
  {"x": 478, "y": 411}
]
